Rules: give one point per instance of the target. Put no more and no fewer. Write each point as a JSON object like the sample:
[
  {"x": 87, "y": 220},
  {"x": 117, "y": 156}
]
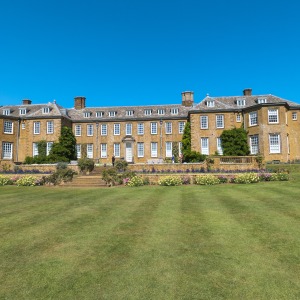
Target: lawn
[{"x": 190, "y": 242}]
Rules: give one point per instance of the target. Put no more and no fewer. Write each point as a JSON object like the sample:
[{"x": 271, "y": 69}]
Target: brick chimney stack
[
  {"x": 79, "y": 102},
  {"x": 187, "y": 99},
  {"x": 247, "y": 92},
  {"x": 26, "y": 102}
]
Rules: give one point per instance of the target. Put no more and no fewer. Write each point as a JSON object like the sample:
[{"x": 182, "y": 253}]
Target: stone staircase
[{"x": 86, "y": 181}]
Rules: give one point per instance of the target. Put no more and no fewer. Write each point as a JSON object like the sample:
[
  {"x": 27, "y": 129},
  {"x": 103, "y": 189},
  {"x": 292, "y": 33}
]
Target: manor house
[{"x": 143, "y": 134}]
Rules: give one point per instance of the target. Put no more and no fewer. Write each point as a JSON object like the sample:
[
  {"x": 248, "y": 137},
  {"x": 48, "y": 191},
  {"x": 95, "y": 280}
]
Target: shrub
[
  {"x": 170, "y": 181},
  {"x": 279, "y": 177},
  {"x": 27, "y": 180},
  {"x": 61, "y": 165},
  {"x": 265, "y": 177},
  {"x": 61, "y": 175},
  {"x": 110, "y": 176},
  {"x": 146, "y": 181},
  {"x": 86, "y": 164},
  {"x": 223, "y": 179},
  {"x": 206, "y": 180},
  {"x": 194, "y": 156},
  {"x": 246, "y": 178},
  {"x": 135, "y": 181},
  {"x": 186, "y": 179},
  {"x": 5, "y": 180},
  {"x": 121, "y": 165}
]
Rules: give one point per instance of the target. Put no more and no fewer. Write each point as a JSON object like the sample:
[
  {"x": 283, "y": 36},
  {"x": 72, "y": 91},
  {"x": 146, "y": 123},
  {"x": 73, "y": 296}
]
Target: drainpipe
[{"x": 18, "y": 137}]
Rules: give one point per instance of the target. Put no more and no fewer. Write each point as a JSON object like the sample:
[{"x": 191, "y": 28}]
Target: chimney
[
  {"x": 187, "y": 99},
  {"x": 26, "y": 102},
  {"x": 247, "y": 92},
  {"x": 79, "y": 102}
]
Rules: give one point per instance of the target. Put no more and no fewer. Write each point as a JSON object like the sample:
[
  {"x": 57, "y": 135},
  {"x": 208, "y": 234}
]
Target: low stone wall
[{"x": 43, "y": 168}]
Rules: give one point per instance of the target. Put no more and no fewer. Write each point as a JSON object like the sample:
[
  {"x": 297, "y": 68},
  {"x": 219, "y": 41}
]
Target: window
[
  {"x": 219, "y": 146},
  {"x": 117, "y": 150},
  {"x": 140, "y": 128},
  {"x": 112, "y": 113},
  {"x": 87, "y": 114},
  {"x": 49, "y": 147},
  {"x": 7, "y": 150},
  {"x": 204, "y": 122},
  {"x": 161, "y": 111},
  {"x": 168, "y": 149},
  {"x": 129, "y": 113},
  {"x": 90, "y": 130},
  {"x": 140, "y": 149},
  {"x": 294, "y": 116},
  {"x": 103, "y": 150},
  {"x": 274, "y": 141},
  {"x": 204, "y": 146},
  {"x": 77, "y": 130},
  {"x": 174, "y": 111},
  {"x": 181, "y": 127},
  {"x": 117, "y": 129},
  {"x": 180, "y": 148},
  {"x": 22, "y": 111},
  {"x": 238, "y": 118},
  {"x": 128, "y": 129},
  {"x": 89, "y": 150},
  {"x": 148, "y": 112},
  {"x": 8, "y": 127},
  {"x": 35, "y": 149},
  {"x": 6, "y": 112},
  {"x": 168, "y": 127},
  {"x": 99, "y": 114},
  {"x": 273, "y": 115},
  {"x": 50, "y": 127},
  {"x": 210, "y": 103},
  {"x": 36, "y": 127},
  {"x": 253, "y": 118},
  {"x": 46, "y": 110},
  {"x": 153, "y": 127},
  {"x": 23, "y": 126},
  {"x": 240, "y": 102},
  {"x": 103, "y": 129},
  {"x": 78, "y": 150},
  {"x": 261, "y": 100},
  {"x": 153, "y": 149},
  {"x": 220, "y": 121},
  {"x": 254, "y": 146}
]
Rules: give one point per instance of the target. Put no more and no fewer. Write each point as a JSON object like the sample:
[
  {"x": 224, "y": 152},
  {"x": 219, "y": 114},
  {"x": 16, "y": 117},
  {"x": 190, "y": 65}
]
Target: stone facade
[{"x": 143, "y": 134}]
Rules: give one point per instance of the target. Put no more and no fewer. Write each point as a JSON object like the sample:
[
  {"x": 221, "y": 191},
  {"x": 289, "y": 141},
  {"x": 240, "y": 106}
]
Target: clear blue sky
[{"x": 138, "y": 52}]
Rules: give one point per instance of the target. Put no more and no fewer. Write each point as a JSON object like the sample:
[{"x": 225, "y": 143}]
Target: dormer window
[
  {"x": 22, "y": 111},
  {"x": 46, "y": 110},
  {"x": 112, "y": 113},
  {"x": 161, "y": 111},
  {"x": 240, "y": 102},
  {"x": 174, "y": 111},
  {"x": 129, "y": 113},
  {"x": 210, "y": 103},
  {"x": 99, "y": 114},
  {"x": 6, "y": 112},
  {"x": 261, "y": 100},
  {"x": 148, "y": 112},
  {"x": 87, "y": 114}
]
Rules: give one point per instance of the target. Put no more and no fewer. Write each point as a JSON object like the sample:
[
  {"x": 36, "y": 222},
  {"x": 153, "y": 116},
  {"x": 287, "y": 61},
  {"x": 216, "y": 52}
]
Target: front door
[{"x": 128, "y": 152}]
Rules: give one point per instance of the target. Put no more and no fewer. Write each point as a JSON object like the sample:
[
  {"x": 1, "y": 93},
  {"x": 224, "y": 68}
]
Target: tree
[
  {"x": 186, "y": 139},
  {"x": 234, "y": 142},
  {"x": 175, "y": 151},
  {"x": 65, "y": 149}
]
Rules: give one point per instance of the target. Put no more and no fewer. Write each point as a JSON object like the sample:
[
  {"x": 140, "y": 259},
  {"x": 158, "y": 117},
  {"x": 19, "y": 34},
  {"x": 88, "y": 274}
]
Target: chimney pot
[
  {"x": 26, "y": 102},
  {"x": 247, "y": 92}
]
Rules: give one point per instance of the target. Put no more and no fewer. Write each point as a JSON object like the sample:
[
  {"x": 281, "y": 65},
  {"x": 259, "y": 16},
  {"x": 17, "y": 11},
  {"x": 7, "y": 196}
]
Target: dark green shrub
[
  {"x": 110, "y": 176},
  {"x": 86, "y": 164},
  {"x": 194, "y": 156},
  {"x": 121, "y": 165},
  {"x": 61, "y": 175}
]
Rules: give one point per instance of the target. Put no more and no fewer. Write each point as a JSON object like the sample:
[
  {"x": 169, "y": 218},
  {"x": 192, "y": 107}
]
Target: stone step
[{"x": 88, "y": 181}]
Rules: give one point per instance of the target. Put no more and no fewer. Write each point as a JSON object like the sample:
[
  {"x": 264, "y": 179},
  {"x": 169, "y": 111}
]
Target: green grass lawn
[{"x": 189, "y": 242}]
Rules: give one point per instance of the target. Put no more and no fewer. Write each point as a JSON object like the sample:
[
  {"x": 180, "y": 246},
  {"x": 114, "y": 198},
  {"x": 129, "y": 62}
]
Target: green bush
[
  {"x": 279, "y": 177},
  {"x": 86, "y": 164},
  {"x": 246, "y": 178},
  {"x": 121, "y": 165},
  {"x": 206, "y": 180},
  {"x": 5, "y": 180},
  {"x": 61, "y": 165},
  {"x": 61, "y": 175},
  {"x": 27, "y": 180},
  {"x": 135, "y": 181},
  {"x": 170, "y": 181},
  {"x": 110, "y": 176},
  {"x": 194, "y": 156}
]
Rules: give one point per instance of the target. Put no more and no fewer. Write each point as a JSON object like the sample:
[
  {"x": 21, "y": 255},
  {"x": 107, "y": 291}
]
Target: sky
[{"x": 140, "y": 52}]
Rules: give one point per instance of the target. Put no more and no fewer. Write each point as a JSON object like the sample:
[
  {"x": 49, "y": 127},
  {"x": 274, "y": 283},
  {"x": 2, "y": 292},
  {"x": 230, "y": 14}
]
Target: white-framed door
[{"x": 128, "y": 152}]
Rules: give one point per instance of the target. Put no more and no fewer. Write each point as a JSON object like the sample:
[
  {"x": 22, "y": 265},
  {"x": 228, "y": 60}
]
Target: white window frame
[
  {"x": 89, "y": 129},
  {"x": 87, "y": 114},
  {"x": 274, "y": 143},
  {"x": 273, "y": 117},
  {"x": 50, "y": 127},
  {"x": 180, "y": 148},
  {"x": 129, "y": 113},
  {"x": 219, "y": 146},
  {"x": 261, "y": 100},
  {"x": 210, "y": 103},
  {"x": 205, "y": 145},
  {"x": 254, "y": 144},
  {"x": 168, "y": 126},
  {"x": 7, "y": 150},
  {"x": 37, "y": 127},
  {"x": 117, "y": 149},
  {"x": 253, "y": 119},
  {"x": 22, "y": 111},
  {"x": 35, "y": 149},
  {"x": 140, "y": 149},
  {"x": 181, "y": 126},
  {"x": 78, "y": 150},
  {"x": 294, "y": 116},
  {"x": 174, "y": 111},
  {"x": 6, "y": 112},
  {"x": 103, "y": 129},
  {"x": 204, "y": 122},
  {"x": 161, "y": 111},
  {"x": 169, "y": 149},
  {"x": 140, "y": 128},
  {"x": 128, "y": 129},
  {"x": 153, "y": 127},
  {"x": 89, "y": 150},
  {"x": 238, "y": 118},
  {"x": 103, "y": 150},
  {"x": 148, "y": 112},
  {"x": 112, "y": 113},
  {"x": 154, "y": 150},
  {"x": 77, "y": 130},
  {"x": 8, "y": 127},
  {"x": 46, "y": 110},
  {"x": 240, "y": 102},
  {"x": 219, "y": 121},
  {"x": 117, "y": 128},
  {"x": 49, "y": 147},
  {"x": 99, "y": 114}
]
